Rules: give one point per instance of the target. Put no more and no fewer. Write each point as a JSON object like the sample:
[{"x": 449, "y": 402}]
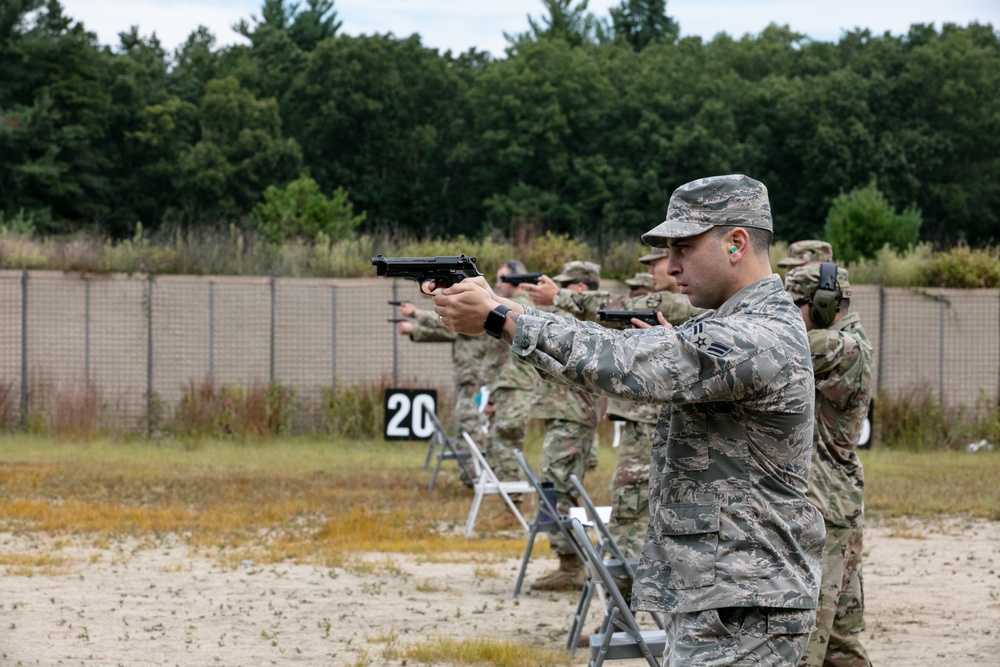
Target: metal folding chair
[
  {"x": 547, "y": 518},
  {"x": 448, "y": 449},
  {"x": 619, "y": 637},
  {"x": 613, "y": 559}
]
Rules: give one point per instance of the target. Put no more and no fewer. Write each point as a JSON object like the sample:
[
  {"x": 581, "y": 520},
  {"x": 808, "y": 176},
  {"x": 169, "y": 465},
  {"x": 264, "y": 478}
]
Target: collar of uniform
[{"x": 753, "y": 293}]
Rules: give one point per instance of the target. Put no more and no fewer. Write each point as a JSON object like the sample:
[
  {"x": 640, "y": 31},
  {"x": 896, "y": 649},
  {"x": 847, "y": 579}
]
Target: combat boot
[{"x": 569, "y": 577}]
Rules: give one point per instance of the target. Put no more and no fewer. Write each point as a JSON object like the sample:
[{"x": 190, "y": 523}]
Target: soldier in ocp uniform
[
  {"x": 570, "y": 422},
  {"x": 843, "y": 365},
  {"x": 732, "y": 554},
  {"x": 423, "y": 326},
  {"x": 511, "y": 387},
  {"x": 810, "y": 251},
  {"x": 640, "y": 284}
]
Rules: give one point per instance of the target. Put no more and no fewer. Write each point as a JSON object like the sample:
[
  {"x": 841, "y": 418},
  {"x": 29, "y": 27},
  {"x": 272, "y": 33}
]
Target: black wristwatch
[{"x": 495, "y": 320}]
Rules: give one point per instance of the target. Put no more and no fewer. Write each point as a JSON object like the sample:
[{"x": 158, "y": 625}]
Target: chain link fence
[{"x": 138, "y": 344}]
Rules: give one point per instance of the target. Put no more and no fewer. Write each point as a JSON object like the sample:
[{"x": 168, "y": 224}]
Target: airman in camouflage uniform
[
  {"x": 733, "y": 550},
  {"x": 630, "y": 481},
  {"x": 843, "y": 364},
  {"x": 805, "y": 252},
  {"x": 570, "y": 416}
]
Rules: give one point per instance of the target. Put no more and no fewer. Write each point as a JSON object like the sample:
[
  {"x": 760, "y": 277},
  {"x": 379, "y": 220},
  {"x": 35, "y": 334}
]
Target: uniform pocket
[{"x": 686, "y": 542}]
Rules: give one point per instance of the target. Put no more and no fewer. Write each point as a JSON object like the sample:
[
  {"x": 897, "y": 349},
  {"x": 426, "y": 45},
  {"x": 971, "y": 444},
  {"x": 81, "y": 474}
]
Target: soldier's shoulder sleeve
[{"x": 428, "y": 329}]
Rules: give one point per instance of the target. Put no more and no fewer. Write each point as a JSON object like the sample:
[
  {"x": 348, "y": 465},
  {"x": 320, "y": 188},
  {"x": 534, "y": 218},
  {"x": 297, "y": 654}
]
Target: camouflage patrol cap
[
  {"x": 579, "y": 271},
  {"x": 806, "y": 252},
  {"x": 643, "y": 279},
  {"x": 802, "y": 281},
  {"x": 655, "y": 253},
  {"x": 734, "y": 200}
]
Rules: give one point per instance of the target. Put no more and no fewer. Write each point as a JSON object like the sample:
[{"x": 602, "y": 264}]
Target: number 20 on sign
[{"x": 407, "y": 413}]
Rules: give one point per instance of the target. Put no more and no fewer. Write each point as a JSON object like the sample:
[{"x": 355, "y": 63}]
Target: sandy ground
[{"x": 933, "y": 591}]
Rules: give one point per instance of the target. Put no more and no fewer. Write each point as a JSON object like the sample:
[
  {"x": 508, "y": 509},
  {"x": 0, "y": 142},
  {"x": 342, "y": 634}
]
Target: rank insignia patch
[{"x": 705, "y": 343}]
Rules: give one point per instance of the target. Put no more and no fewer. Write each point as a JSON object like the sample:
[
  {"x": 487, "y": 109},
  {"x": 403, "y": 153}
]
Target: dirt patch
[{"x": 933, "y": 592}]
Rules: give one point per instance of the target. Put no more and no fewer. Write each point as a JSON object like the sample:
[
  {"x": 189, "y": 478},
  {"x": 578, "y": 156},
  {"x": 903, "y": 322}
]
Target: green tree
[
  {"x": 641, "y": 23},
  {"x": 241, "y": 151},
  {"x": 563, "y": 21},
  {"x": 54, "y": 109},
  {"x": 862, "y": 221},
  {"x": 146, "y": 130},
  {"x": 384, "y": 118},
  {"x": 301, "y": 211},
  {"x": 541, "y": 122}
]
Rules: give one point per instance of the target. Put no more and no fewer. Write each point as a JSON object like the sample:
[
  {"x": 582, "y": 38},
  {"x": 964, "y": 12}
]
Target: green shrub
[
  {"x": 916, "y": 421},
  {"x": 354, "y": 413},
  {"x": 964, "y": 267},
  {"x": 256, "y": 412},
  {"x": 893, "y": 268},
  {"x": 301, "y": 211},
  {"x": 139, "y": 255},
  {"x": 861, "y": 222}
]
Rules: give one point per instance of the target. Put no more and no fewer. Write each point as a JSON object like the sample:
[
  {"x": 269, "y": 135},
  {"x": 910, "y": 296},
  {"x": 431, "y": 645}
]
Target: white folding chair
[
  {"x": 486, "y": 482},
  {"x": 620, "y": 637}
]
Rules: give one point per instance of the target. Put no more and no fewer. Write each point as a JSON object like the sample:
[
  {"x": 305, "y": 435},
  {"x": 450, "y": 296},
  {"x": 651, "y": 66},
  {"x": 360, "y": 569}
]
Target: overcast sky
[{"x": 461, "y": 24}]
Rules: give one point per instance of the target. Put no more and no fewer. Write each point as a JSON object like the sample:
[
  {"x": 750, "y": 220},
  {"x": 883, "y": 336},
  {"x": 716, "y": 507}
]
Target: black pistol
[
  {"x": 625, "y": 316},
  {"x": 521, "y": 278},
  {"x": 443, "y": 270}
]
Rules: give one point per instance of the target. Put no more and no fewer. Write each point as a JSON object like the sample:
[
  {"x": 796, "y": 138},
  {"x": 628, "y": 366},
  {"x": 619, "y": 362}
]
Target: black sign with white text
[{"x": 407, "y": 413}]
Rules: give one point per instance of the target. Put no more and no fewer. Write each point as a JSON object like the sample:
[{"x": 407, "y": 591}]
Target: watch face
[{"x": 495, "y": 320}]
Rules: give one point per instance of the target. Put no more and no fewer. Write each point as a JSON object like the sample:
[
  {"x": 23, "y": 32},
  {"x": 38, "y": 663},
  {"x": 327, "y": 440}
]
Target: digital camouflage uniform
[
  {"x": 733, "y": 545},
  {"x": 467, "y": 356},
  {"x": 843, "y": 364},
  {"x": 630, "y": 480},
  {"x": 512, "y": 386}
]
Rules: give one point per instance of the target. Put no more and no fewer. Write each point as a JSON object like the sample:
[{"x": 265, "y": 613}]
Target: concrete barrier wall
[{"x": 141, "y": 343}]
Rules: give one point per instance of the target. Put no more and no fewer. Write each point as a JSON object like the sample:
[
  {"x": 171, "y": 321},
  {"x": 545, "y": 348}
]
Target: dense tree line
[{"x": 584, "y": 126}]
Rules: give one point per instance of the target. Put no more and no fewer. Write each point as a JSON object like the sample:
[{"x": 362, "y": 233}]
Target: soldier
[
  {"x": 637, "y": 421},
  {"x": 579, "y": 299},
  {"x": 423, "y": 326},
  {"x": 732, "y": 553},
  {"x": 570, "y": 416},
  {"x": 511, "y": 387},
  {"x": 807, "y": 252},
  {"x": 640, "y": 284},
  {"x": 843, "y": 365}
]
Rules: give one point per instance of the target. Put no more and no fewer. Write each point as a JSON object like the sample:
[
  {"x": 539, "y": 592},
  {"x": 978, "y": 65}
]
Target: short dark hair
[
  {"x": 515, "y": 266},
  {"x": 760, "y": 239}
]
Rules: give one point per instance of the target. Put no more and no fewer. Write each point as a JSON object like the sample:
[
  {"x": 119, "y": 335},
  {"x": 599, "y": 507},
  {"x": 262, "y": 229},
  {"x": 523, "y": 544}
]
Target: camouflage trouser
[
  {"x": 564, "y": 452},
  {"x": 508, "y": 426},
  {"x": 738, "y": 637},
  {"x": 630, "y": 488},
  {"x": 840, "y": 616},
  {"x": 467, "y": 415}
]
